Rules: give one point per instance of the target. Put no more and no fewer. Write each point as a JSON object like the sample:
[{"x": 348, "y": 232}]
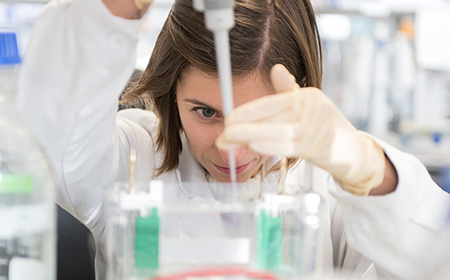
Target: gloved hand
[{"x": 303, "y": 122}]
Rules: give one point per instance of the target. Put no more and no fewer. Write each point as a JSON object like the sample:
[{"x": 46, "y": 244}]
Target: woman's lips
[{"x": 226, "y": 170}]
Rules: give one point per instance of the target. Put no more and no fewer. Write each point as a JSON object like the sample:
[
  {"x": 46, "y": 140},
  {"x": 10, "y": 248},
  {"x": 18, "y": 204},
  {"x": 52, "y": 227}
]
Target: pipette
[
  {"x": 132, "y": 162},
  {"x": 219, "y": 18},
  {"x": 309, "y": 175},
  {"x": 146, "y": 224},
  {"x": 283, "y": 173}
]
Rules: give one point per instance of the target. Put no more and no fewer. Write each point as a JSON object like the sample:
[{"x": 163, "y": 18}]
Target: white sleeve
[
  {"x": 402, "y": 232},
  {"x": 78, "y": 60}
]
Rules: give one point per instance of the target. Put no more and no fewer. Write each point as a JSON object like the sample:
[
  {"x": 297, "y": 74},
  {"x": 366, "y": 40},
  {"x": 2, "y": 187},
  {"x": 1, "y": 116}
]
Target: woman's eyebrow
[{"x": 197, "y": 102}]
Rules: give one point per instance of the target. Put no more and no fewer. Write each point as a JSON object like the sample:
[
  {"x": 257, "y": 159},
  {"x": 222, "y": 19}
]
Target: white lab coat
[{"x": 77, "y": 62}]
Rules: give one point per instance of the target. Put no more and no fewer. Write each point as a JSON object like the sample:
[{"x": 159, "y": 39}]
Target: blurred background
[{"x": 386, "y": 66}]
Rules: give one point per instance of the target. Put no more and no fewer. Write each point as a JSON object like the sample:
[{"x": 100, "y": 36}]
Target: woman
[{"x": 71, "y": 80}]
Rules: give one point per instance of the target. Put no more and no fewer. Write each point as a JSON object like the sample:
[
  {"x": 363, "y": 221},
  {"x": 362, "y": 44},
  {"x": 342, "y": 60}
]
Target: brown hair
[{"x": 266, "y": 32}]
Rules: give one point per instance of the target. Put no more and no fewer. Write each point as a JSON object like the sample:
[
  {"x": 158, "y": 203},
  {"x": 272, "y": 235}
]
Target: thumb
[{"x": 281, "y": 79}]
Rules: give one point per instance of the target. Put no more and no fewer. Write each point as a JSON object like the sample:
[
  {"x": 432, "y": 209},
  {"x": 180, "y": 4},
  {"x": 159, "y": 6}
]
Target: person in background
[{"x": 384, "y": 210}]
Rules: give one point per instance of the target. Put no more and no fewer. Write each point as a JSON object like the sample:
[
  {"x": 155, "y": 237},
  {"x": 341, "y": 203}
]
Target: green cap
[{"x": 15, "y": 183}]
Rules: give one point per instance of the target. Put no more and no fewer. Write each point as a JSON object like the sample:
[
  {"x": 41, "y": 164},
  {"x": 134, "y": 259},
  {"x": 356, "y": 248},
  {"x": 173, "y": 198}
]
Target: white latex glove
[{"x": 303, "y": 122}]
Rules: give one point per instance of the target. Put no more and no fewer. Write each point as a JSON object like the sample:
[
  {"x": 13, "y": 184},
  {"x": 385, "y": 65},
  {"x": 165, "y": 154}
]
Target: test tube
[
  {"x": 132, "y": 163},
  {"x": 283, "y": 173}
]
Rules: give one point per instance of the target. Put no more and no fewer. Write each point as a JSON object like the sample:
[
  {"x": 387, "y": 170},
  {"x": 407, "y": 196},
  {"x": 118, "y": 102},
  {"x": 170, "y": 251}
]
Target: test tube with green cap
[
  {"x": 146, "y": 239},
  {"x": 269, "y": 235}
]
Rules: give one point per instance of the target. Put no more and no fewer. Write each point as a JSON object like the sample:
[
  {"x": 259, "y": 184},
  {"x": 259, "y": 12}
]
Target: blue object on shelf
[{"x": 9, "y": 52}]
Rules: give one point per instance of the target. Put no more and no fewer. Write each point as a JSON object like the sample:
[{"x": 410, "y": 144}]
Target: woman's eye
[{"x": 205, "y": 113}]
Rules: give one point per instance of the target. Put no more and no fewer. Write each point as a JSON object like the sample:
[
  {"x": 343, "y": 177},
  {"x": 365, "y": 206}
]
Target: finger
[
  {"x": 261, "y": 108},
  {"x": 287, "y": 116},
  {"x": 282, "y": 79},
  {"x": 271, "y": 105},
  {"x": 224, "y": 144},
  {"x": 243, "y": 133}
]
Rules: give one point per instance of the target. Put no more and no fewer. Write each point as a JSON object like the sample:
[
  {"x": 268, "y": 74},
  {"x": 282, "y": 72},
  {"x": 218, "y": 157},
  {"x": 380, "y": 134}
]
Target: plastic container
[
  {"x": 177, "y": 231},
  {"x": 27, "y": 209}
]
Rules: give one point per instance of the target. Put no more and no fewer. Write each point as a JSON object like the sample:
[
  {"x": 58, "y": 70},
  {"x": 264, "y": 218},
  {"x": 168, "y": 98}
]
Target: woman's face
[{"x": 200, "y": 105}]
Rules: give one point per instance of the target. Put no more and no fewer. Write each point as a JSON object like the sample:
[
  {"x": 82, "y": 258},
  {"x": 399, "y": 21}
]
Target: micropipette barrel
[
  {"x": 219, "y": 18},
  {"x": 224, "y": 69},
  {"x": 226, "y": 86}
]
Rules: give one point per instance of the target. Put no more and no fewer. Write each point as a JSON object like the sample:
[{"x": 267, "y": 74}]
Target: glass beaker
[
  {"x": 290, "y": 235},
  {"x": 166, "y": 228}
]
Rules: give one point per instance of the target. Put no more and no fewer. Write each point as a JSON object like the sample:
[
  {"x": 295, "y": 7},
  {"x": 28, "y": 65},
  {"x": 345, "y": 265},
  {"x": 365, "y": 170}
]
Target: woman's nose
[{"x": 239, "y": 153}]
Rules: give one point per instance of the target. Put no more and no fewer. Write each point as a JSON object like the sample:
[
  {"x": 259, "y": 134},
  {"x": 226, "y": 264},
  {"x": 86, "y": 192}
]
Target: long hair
[{"x": 266, "y": 32}]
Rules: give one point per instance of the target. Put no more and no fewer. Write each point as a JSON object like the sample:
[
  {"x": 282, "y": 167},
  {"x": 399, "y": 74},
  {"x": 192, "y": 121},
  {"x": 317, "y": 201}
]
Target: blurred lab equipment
[
  {"x": 166, "y": 229},
  {"x": 27, "y": 210},
  {"x": 388, "y": 72}
]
